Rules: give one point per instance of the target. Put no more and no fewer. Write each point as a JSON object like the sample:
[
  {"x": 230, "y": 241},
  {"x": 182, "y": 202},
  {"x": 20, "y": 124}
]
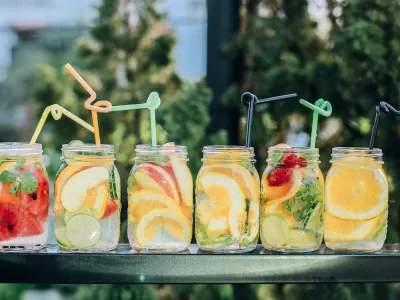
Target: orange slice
[
  {"x": 163, "y": 218},
  {"x": 356, "y": 193},
  {"x": 226, "y": 200},
  {"x": 284, "y": 192},
  {"x": 4, "y": 195},
  {"x": 277, "y": 208},
  {"x": 144, "y": 201},
  {"x": 336, "y": 229}
]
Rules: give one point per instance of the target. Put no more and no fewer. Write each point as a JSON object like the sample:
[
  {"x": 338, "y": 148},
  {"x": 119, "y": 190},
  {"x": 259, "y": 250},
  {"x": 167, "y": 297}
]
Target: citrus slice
[
  {"x": 285, "y": 191},
  {"x": 275, "y": 230},
  {"x": 277, "y": 208},
  {"x": 217, "y": 228},
  {"x": 227, "y": 200},
  {"x": 163, "y": 218},
  {"x": 356, "y": 193},
  {"x": 61, "y": 237},
  {"x": 241, "y": 176},
  {"x": 84, "y": 210},
  {"x": 315, "y": 221},
  {"x": 336, "y": 229},
  {"x": 144, "y": 201},
  {"x": 83, "y": 231}
]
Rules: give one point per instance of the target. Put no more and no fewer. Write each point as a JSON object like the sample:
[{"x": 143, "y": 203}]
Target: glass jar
[
  {"x": 87, "y": 195},
  {"x": 227, "y": 200},
  {"x": 356, "y": 209},
  {"x": 292, "y": 200},
  {"x": 24, "y": 197},
  {"x": 160, "y": 199}
]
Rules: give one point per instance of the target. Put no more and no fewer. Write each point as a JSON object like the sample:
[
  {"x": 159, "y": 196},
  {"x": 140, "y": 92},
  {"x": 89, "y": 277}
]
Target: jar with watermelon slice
[
  {"x": 87, "y": 195},
  {"x": 160, "y": 199},
  {"x": 292, "y": 191},
  {"x": 24, "y": 197},
  {"x": 227, "y": 200}
]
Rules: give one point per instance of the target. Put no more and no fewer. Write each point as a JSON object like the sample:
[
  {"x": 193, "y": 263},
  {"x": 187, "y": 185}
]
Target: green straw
[
  {"x": 152, "y": 103},
  {"x": 320, "y": 107}
]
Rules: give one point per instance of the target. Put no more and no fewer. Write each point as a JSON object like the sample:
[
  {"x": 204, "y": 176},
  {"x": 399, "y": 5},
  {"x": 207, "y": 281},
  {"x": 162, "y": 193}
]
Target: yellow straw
[
  {"x": 100, "y": 106},
  {"x": 57, "y": 111}
]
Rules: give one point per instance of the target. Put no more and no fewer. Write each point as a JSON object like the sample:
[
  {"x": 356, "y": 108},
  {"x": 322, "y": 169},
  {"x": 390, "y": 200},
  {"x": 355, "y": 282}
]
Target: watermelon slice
[
  {"x": 36, "y": 203},
  {"x": 17, "y": 222}
]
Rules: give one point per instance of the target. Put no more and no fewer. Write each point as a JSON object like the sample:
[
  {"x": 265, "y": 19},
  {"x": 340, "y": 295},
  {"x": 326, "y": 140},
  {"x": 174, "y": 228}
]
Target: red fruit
[
  {"x": 301, "y": 162},
  {"x": 38, "y": 202},
  {"x": 289, "y": 161},
  {"x": 279, "y": 176},
  {"x": 111, "y": 207},
  {"x": 17, "y": 222}
]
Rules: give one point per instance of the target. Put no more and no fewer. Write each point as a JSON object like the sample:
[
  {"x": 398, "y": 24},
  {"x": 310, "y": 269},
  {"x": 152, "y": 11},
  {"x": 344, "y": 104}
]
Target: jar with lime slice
[
  {"x": 87, "y": 198},
  {"x": 356, "y": 210},
  {"x": 160, "y": 199},
  {"x": 292, "y": 200},
  {"x": 227, "y": 200}
]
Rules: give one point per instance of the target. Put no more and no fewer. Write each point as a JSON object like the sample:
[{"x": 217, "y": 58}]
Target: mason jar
[
  {"x": 87, "y": 195},
  {"x": 227, "y": 200},
  {"x": 160, "y": 199},
  {"x": 356, "y": 209},
  {"x": 292, "y": 200},
  {"x": 24, "y": 197}
]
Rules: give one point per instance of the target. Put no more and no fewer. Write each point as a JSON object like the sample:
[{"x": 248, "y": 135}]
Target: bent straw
[
  {"x": 320, "y": 107},
  {"x": 152, "y": 103},
  {"x": 387, "y": 109},
  {"x": 99, "y": 106},
  {"x": 251, "y": 101},
  {"x": 57, "y": 111}
]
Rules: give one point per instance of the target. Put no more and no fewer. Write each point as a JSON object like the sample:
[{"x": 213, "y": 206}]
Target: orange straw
[{"x": 99, "y": 106}]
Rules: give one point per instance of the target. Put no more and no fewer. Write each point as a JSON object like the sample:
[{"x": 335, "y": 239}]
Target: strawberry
[
  {"x": 301, "y": 162},
  {"x": 279, "y": 176},
  {"x": 289, "y": 161}
]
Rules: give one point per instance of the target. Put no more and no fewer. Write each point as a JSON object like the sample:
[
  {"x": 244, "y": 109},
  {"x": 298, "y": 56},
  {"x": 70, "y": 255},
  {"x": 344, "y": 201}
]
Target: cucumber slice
[
  {"x": 115, "y": 186},
  {"x": 61, "y": 237},
  {"x": 83, "y": 231},
  {"x": 84, "y": 210},
  {"x": 314, "y": 222},
  {"x": 275, "y": 230},
  {"x": 302, "y": 238}
]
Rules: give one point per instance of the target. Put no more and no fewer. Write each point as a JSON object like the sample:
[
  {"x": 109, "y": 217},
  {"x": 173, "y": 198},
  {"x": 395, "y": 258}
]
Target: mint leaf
[
  {"x": 228, "y": 241},
  {"x": 287, "y": 206},
  {"x": 20, "y": 162},
  {"x": 113, "y": 184},
  {"x": 14, "y": 187},
  {"x": 29, "y": 183},
  {"x": 7, "y": 176},
  {"x": 305, "y": 201},
  {"x": 203, "y": 230},
  {"x": 276, "y": 158}
]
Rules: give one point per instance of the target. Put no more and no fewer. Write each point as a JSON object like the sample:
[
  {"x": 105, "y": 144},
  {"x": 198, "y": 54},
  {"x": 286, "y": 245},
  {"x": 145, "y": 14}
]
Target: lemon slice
[
  {"x": 277, "y": 208},
  {"x": 284, "y": 192},
  {"x": 217, "y": 228},
  {"x": 275, "y": 230},
  {"x": 227, "y": 200},
  {"x": 356, "y": 193},
  {"x": 83, "y": 231},
  {"x": 173, "y": 221}
]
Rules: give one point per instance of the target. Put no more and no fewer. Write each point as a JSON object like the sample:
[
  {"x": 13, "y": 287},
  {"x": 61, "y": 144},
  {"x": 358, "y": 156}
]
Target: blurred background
[{"x": 201, "y": 56}]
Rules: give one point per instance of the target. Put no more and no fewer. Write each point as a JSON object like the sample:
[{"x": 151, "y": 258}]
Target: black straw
[
  {"x": 385, "y": 108},
  {"x": 251, "y": 101}
]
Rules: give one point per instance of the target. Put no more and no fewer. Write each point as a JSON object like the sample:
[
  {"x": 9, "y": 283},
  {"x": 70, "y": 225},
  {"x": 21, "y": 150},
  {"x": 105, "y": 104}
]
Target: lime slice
[
  {"x": 76, "y": 143},
  {"x": 83, "y": 231},
  {"x": 275, "y": 230},
  {"x": 314, "y": 222},
  {"x": 61, "y": 237},
  {"x": 302, "y": 238},
  {"x": 84, "y": 210}
]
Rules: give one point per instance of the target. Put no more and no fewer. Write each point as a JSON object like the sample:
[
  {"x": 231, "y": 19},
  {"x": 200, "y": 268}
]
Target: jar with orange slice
[
  {"x": 160, "y": 199},
  {"x": 87, "y": 195},
  {"x": 356, "y": 208},
  {"x": 292, "y": 200},
  {"x": 227, "y": 200}
]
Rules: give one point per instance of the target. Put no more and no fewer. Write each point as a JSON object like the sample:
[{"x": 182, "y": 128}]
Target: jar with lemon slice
[
  {"x": 87, "y": 195},
  {"x": 292, "y": 200},
  {"x": 160, "y": 199},
  {"x": 227, "y": 200},
  {"x": 356, "y": 200}
]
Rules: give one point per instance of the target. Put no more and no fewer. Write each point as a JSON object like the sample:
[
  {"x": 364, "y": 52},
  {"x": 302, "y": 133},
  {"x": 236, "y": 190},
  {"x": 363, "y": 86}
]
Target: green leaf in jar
[
  {"x": 203, "y": 230},
  {"x": 305, "y": 200},
  {"x": 29, "y": 183},
  {"x": 228, "y": 241},
  {"x": 288, "y": 206},
  {"x": 14, "y": 187},
  {"x": 7, "y": 176}
]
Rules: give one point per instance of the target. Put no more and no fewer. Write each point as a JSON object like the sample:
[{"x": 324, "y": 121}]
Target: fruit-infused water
[
  {"x": 292, "y": 200},
  {"x": 227, "y": 200},
  {"x": 160, "y": 203},
  {"x": 356, "y": 208},
  {"x": 24, "y": 197},
  {"x": 87, "y": 198}
]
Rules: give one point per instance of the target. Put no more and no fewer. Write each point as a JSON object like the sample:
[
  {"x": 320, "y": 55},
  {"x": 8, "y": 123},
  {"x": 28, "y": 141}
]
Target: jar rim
[
  {"x": 20, "y": 148},
  {"x": 361, "y": 150},
  {"x": 225, "y": 148},
  {"x": 88, "y": 148},
  {"x": 299, "y": 150},
  {"x": 161, "y": 149}
]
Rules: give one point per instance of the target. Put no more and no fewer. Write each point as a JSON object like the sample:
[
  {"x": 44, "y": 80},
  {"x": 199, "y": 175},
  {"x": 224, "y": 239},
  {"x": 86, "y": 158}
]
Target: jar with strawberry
[
  {"x": 292, "y": 200},
  {"x": 24, "y": 197},
  {"x": 227, "y": 200}
]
